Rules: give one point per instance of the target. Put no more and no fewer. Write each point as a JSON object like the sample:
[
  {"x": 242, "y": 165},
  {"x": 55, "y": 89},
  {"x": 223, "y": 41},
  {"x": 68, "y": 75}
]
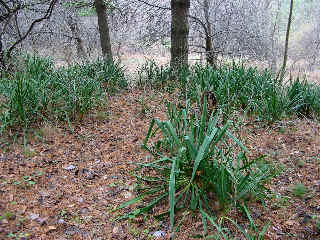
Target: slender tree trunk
[
  {"x": 273, "y": 64},
  {"x": 103, "y": 29},
  {"x": 1, "y": 55},
  {"x": 210, "y": 54},
  {"x": 73, "y": 25},
  {"x": 285, "y": 57},
  {"x": 179, "y": 32}
]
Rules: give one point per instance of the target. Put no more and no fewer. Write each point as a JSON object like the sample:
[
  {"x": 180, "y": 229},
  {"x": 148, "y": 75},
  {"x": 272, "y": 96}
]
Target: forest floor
[{"x": 63, "y": 183}]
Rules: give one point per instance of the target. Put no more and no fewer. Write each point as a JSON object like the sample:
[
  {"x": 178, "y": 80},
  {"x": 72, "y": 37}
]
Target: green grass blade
[
  {"x": 137, "y": 199},
  {"x": 179, "y": 225},
  {"x": 203, "y": 219},
  {"x": 172, "y": 193},
  {"x": 239, "y": 228},
  {"x": 229, "y": 134},
  {"x": 219, "y": 229},
  {"x": 173, "y": 134},
  {"x": 203, "y": 120},
  {"x": 203, "y": 149},
  {"x": 190, "y": 147},
  {"x": 262, "y": 233}
]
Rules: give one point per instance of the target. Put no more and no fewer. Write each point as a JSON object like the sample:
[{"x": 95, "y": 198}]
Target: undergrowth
[
  {"x": 238, "y": 88},
  {"x": 39, "y": 92},
  {"x": 197, "y": 163}
]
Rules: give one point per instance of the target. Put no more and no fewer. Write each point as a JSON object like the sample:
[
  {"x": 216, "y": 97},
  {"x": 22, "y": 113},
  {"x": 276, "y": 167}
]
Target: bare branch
[
  {"x": 154, "y": 6},
  {"x": 46, "y": 16}
]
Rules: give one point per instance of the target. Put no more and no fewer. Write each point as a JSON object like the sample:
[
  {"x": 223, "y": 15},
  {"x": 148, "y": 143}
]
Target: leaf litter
[{"x": 68, "y": 186}]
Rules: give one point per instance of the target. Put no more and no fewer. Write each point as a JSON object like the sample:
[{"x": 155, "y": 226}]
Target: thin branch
[
  {"x": 46, "y": 16},
  {"x": 154, "y": 6}
]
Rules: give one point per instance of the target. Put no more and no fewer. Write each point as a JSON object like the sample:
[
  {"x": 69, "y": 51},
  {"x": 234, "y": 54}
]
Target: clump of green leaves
[
  {"x": 237, "y": 88},
  {"x": 226, "y": 234},
  {"x": 303, "y": 98},
  {"x": 299, "y": 190},
  {"x": 152, "y": 75},
  {"x": 196, "y": 165},
  {"x": 39, "y": 92}
]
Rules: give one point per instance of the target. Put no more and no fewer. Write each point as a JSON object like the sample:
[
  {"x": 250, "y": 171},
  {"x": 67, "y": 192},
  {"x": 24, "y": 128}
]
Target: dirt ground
[{"x": 65, "y": 181}]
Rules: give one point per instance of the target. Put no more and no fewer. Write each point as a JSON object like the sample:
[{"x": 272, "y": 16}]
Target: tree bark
[
  {"x": 103, "y": 29},
  {"x": 285, "y": 57},
  {"x": 210, "y": 54},
  {"x": 73, "y": 25},
  {"x": 2, "y": 64},
  {"x": 179, "y": 33}
]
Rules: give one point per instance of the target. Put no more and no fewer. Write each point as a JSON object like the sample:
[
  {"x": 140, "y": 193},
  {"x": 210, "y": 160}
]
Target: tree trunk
[
  {"x": 179, "y": 32},
  {"x": 73, "y": 25},
  {"x": 210, "y": 54},
  {"x": 285, "y": 57},
  {"x": 1, "y": 55},
  {"x": 273, "y": 54},
  {"x": 103, "y": 29}
]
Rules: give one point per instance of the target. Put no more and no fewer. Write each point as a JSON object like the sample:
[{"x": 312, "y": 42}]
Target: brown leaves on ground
[{"x": 65, "y": 182}]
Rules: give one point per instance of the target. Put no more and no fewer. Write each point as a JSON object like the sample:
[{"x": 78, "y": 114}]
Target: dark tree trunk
[
  {"x": 103, "y": 29},
  {"x": 286, "y": 48},
  {"x": 210, "y": 54},
  {"x": 179, "y": 32}
]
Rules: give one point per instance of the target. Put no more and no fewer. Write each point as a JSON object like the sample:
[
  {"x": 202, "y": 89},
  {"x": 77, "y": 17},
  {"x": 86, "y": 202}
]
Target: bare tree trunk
[
  {"x": 210, "y": 54},
  {"x": 73, "y": 25},
  {"x": 272, "y": 54},
  {"x": 103, "y": 29},
  {"x": 179, "y": 32},
  {"x": 285, "y": 57},
  {"x": 2, "y": 65}
]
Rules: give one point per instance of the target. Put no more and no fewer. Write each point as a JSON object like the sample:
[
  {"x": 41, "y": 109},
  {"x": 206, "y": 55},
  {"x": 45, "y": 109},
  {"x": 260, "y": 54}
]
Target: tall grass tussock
[
  {"x": 198, "y": 166},
  {"x": 238, "y": 88},
  {"x": 39, "y": 92}
]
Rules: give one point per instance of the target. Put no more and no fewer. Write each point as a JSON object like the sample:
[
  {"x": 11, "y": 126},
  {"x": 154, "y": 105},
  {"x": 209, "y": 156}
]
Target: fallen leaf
[{"x": 50, "y": 229}]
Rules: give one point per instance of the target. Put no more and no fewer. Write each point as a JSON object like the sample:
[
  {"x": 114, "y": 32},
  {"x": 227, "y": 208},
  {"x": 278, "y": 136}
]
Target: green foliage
[
  {"x": 39, "y": 92},
  {"x": 304, "y": 97},
  {"x": 110, "y": 73},
  {"x": 238, "y": 88},
  {"x": 197, "y": 162},
  {"x": 152, "y": 75},
  {"x": 299, "y": 190},
  {"x": 226, "y": 234},
  {"x": 86, "y": 8}
]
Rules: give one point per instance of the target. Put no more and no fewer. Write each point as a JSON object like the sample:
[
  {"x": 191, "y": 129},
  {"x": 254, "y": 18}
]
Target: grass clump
[
  {"x": 39, "y": 92},
  {"x": 225, "y": 234},
  {"x": 152, "y": 75},
  {"x": 199, "y": 165},
  {"x": 304, "y": 98},
  {"x": 238, "y": 88},
  {"x": 299, "y": 190}
]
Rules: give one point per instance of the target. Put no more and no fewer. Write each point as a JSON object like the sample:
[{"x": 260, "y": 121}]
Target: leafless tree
[{"x": 13, "y": 22}]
